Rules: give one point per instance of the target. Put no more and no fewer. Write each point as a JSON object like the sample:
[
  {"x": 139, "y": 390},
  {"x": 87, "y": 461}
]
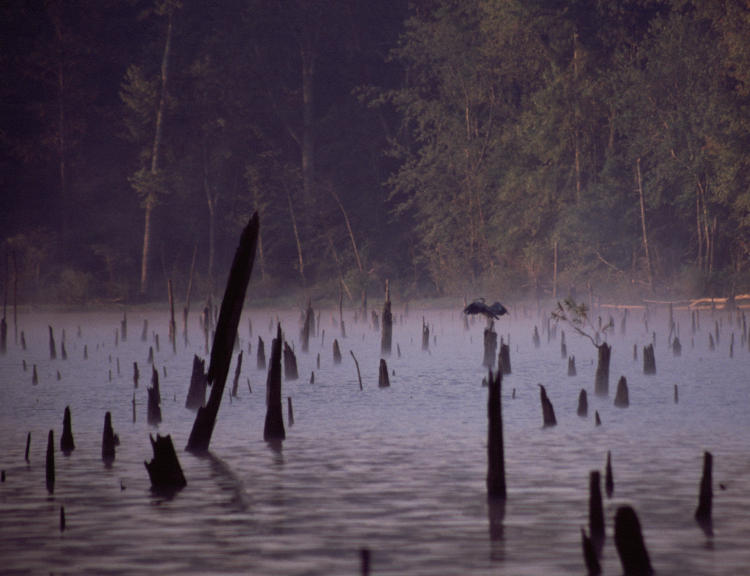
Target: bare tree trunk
[
  {"x": 301, "y": 260},
  {"x": 643, "y": 224},
  {"x": 151, "y": 201}
]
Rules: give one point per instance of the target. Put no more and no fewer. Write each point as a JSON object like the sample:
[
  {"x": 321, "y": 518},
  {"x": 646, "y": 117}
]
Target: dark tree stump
[
  {"x": 649, "y": 360},
  {"x": 548, "y": 412},
  {"x": 596, "y": 511},
  {"x": 583, "y": 404},
  {"x": 52, "y": 347},
  {"x": 609, "y": 481},
  {"x": 601, "y": 380},
  {"x": 289, "y": 411},
  {"x": 136, "y": 375},
  {"x": 290, "y": 363},
  {"x": 621, "y": 397},
  {"x": 237, "y": 370},
  {"x": 196, "y": 397},
  {"x": 597, "y": 419},
  {"x": 273, "y": 429},
  {"x": 154, "y": 399},
  {"x": 383, "y": 379},
  {"x": 164, "y": 470},
  {"x": 630, "y": 545},
  {"x": 260, "y": 355},
  {"x": 67, "y": 445},
  {"x": 495, "y": 446},
  {"x": 705, "y": 498},
  {"x": 336, "y": 352},
  {"x": 572, "y": 366},
  {"x": 676, "y": 347},
  {"x": 425, "y": 335},
  {"x": 109, "y": 440},
  {"x": 308, "y": 327},
  {"x": 504, "y": 360},
  {"x": 386, "y": 335},
  {"x": 226, "y": 332},
  {"x": 490, "y": 346}
]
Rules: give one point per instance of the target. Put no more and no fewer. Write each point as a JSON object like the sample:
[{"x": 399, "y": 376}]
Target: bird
[{"x": 479, "y": 307}]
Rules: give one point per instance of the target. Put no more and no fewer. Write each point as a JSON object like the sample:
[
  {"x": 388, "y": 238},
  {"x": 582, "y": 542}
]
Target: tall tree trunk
[
  {"x": 155, "y": 150},
  {"x": 643, "y": 224}
]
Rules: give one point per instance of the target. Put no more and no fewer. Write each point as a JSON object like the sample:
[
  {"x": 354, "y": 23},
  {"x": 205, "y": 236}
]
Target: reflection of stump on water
[{"x": 495, "y": 449}]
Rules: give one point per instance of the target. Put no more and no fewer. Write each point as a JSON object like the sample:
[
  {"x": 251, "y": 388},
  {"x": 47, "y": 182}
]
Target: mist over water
[{"x": 399, "y": 470}]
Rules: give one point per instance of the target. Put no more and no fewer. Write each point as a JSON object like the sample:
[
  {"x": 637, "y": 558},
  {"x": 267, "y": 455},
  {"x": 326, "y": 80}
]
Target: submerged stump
[
  {"x": 164, "y": 470},
  {"x": 67, "y": 445},
  {"x": 290, "y": 363},
  {"x": 109, "y": 440},
  {"x": 583, "y": 404},
  {"x": 630, "y": 545},
  {"x": 196, "y": 396},
  {"x": 383, "y": 379},
  {"x": 336, "y": 352},
  {"x": 705, "y": 497},
  {"x": 601, "y": 380},
  {"x": 548, "y": 412}
]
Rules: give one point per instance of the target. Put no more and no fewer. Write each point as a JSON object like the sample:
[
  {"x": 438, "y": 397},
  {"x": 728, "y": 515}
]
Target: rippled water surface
[{"x": 400, "y": 470}]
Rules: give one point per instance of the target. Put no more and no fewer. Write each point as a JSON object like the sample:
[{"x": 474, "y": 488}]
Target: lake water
[{"x": 400, "y": 471}]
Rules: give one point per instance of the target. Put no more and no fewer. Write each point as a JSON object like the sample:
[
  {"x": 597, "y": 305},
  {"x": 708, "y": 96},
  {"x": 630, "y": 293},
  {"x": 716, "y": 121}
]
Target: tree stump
[
  {"x": 260, "y": 355},
  {"x": 490, "y": 346},
  {"x": 609, "y": 481},
  {"x": 109, "y": 440},
  {"x": 504, "y": 359},
  {"x": 386, "y": 335},
  {"x": 676, "y": 347},
  {"x": 425, "y": 335},
  {"x": 154, "y": 399},
  {"x": 67, "y": 445},
  {"x": 336, "y": 352},
  {"x": 290, "y": 363},
  {"x": 705, "y": 498},
  {"x": 237, "y": 370},
  {"x": 583, "y": 404},
  {"x": 52, "y": 347},
  {"x": 572, "y": 366},
  {"x": 535, "y": 337},
  {"x": 273, "y": 429},
  {"x": 50, "y": 462},
  {"x": 601, "y": 380},
  {"x": 308, "y": 326},
  {"x": 621, "y": 397},
  {"x": 164, "y": 470},
  {"x": 548, "y": 412},
  {"x": 383, "y": 379},
  {"x": 196, "y": 397}
]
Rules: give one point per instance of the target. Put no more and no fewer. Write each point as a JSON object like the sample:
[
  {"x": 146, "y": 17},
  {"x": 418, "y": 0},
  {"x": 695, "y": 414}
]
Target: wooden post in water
[
  {"x": 601, "y": 381},
  {"x": 164, "y": 470},
  {"x": 383, "y": 379},
  {"x": 109, "y": 440},
  {"x": 504, "y": 358},
  {"x": 67, "y": 445},
  {"x": 196, "y": 397},
  {"x": 28, "y": 446},
  {"x": 548, "y": 412},
  {"x": 290, "y": 363},
  {"x": 386, "y": 335},
  {"x": 226, "y": 332},
  {"x": 629, "y": 543},
  {"x": 336, "y": 352},
  {"x": 649, "y": 360},
  {"x": 273, "y": 429},
  {"x": 583, "y": 404},
  {"x": 572, "y": 366},
  {"x": 609, "y": 481},
  {"x": 154, "y": 399},
  {"x": 260, "y": 355},
  {"x": 52, "y": 347},
  {"x": 621, "y": 397}
]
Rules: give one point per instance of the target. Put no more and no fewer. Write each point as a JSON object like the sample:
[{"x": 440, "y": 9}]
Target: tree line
[{"x": 453, "y": 146}]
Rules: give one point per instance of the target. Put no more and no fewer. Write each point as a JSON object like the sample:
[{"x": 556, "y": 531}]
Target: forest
[{"x": 454, "y": 147}]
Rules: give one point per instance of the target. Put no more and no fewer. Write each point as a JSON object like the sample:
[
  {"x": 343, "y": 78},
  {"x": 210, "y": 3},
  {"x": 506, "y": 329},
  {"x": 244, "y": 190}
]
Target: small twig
[{"x": 359, "y": 375}]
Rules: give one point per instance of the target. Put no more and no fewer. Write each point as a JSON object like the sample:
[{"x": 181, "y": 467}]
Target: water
[{"x": 400, "y": 471}]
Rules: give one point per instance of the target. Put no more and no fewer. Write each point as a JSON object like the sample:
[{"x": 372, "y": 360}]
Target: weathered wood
[
  {"x": 52, "y": 347},
  {"x": 273, "y": 429},
  {"x": 237, "y": 370},
  {"x": 336, "y": 352},
  {"x": 164, "y": 470},
  {"x": 226, "y": 332},
  {"x": 260, "y": 355},
  {"x": 359, "y": 374},
  {"x": 154, "y": 399},
  {"x": 496, "y": 487},
  {"x": 383, "y": 379},
  {"x": 548, "y": 412},
  {"x": 67, "y": 445},
  {"x": 649, "y": 360},
  {"x": 196, "y": 397},
  {"x": 386, "y": 336},
  {"x": 621, "y": 397},
  {"x": 490, "y": 346},
  {"x": 629, "y": 543},
  {"x": 290, "y": 363},
  {"x": 583, "y": 404},
  {"x": 109, "y": 440},
  {"x": 705, "y": 497},
  {"x": 601, "y": 380}
]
